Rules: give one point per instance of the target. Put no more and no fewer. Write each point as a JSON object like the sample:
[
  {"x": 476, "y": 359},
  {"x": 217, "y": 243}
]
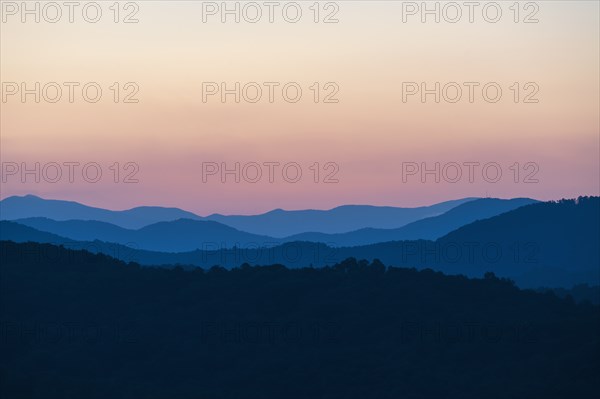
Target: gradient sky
[{"x": 368, "y": 134}]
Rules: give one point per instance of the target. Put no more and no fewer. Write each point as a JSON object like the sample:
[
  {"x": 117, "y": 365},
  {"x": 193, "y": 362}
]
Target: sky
[{"x": 360, "y": 132}]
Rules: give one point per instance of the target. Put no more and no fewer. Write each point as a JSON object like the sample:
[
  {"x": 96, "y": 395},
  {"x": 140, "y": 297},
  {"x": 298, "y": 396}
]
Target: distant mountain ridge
[
  {"x": 187, "y": 235},
  {"x": 173, "y": 236},
  {"x": 342, "y": 219},
  {"x": 276, "y": 223},
  {"x": 30, "y": 206},
  {"x": 430, "y": 228}
]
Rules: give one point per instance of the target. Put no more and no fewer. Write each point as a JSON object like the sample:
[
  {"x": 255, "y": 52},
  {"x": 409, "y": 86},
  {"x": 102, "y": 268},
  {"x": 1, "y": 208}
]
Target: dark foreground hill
[{"x": 80, "y": 325}]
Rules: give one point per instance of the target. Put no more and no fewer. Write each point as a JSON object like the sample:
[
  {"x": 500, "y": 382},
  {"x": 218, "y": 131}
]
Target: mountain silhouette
[
  {"x": 427, "y": 229},
  {"x": 557, "y": 235},
  {"x": 30, "y": 206},
  {"x": 277, "y": 223},
  {"x": 21, "y": 233},
  {"x": 173, "y": 236},
  {"x": 187, "y": 235},
  {"x": 552, "y": 244}
]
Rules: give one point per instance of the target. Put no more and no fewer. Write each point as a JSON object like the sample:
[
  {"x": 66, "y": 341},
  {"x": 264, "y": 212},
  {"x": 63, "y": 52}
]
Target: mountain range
[
  {"x": 346, "y": 218},
  {"x": 429, "y": 228},
  {"x": 188, "y": 234},
  {"x": 28, "y": 206},
  {"x": 553, "y": 244},
  {"x": 276, "y": 223}
]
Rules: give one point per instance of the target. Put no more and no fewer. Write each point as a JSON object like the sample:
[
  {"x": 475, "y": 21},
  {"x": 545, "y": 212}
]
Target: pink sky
[{"x": 362, "y": 141}]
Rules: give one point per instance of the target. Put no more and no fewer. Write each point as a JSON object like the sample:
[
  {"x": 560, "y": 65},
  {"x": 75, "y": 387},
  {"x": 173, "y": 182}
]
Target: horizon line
[{"x": 2, "y": 199}]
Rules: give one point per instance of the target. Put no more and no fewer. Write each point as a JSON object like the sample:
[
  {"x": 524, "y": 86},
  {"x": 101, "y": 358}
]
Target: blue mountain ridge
[
  {"x": 186, "y": 235},
  {"x": 276, "y": 223}
]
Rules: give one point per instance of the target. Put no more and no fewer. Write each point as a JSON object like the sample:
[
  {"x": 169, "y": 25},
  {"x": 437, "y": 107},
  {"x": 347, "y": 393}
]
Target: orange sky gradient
[{"x": 368, "y": 134}]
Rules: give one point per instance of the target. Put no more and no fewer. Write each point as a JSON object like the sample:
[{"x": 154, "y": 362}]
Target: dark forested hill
[
  {"x": 79, "y": 325},
  {"x": 560, "y": 237}
]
